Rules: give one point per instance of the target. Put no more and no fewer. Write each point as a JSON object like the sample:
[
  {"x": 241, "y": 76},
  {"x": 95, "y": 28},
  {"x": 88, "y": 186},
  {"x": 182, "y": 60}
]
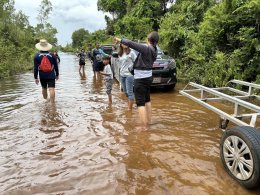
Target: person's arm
[
  {"x": 133, "y": 45},
  {"x": 133, "y": 56},
  {"x": 103, "y": 73},
  {"x": 36, "y": 69},
  {"x": 103, "y": 53},
  {"x": 56, "y": 68}
]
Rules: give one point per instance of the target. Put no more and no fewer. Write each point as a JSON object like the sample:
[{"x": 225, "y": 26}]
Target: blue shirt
[{"x": 45, "y": 75}]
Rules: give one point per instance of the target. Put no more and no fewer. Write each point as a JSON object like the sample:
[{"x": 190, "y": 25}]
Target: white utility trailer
[{"x": 240, "y": 145}]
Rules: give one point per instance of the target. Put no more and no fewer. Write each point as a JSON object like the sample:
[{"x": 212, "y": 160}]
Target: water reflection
[
  {"x": 82, "y": 75},
  {"x": 52, "y": 125}
]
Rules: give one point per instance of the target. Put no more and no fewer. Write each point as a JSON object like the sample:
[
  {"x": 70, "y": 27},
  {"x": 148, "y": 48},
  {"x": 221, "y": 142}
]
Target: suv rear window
[{"x": 107, "y": 49}]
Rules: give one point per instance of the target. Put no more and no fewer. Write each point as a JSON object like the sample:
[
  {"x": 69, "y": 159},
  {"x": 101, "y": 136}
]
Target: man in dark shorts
[
  {"x": 45, "y": 65},
  {"x": 98, "y": 55}
]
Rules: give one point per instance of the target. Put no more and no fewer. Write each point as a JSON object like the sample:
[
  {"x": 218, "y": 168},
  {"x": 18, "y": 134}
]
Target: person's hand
[
  {"x": 57, "y": 78},
  {"x": 117, "y": 40},
  {"x": 37, "y": 81}
]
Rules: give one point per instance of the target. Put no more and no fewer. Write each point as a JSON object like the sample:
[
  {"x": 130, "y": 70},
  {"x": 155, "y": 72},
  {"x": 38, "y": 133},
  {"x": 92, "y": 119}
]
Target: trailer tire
[{"x": 240, "y": 155}]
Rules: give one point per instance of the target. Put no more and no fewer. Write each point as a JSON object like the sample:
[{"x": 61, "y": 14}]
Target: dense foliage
[
  {"x": 212, "y": 41},
  {"x": 83, "y": 39},
  {"x": 217, "y": 44},
  {"x": 18, "y": 37}
]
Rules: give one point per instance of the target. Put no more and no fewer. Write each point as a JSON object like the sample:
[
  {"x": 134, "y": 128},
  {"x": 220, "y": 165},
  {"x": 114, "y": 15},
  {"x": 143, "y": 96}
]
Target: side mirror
[
  {"x": 166, "y": 52},
  {"x": 115, "y": 55}
]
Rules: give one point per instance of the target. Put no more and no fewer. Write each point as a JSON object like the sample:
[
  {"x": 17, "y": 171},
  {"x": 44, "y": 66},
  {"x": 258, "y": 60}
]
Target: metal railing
[{"x": 238, "y": 100}]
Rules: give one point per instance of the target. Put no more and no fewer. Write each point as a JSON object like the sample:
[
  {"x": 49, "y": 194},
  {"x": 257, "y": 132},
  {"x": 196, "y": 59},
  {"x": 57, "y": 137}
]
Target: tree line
[
  {"x": 18, "y": 37},
  {"x": 212, "y": 41}
]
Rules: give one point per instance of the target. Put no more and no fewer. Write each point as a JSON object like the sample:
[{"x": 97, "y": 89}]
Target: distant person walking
[
  {"x": 98, "y": 55},
  {"x": 143, "y": 74},
  {"x": 126, "y": 61},
  {"x": 57, "y": 56},
  {"x": 82, "y": 60},
  {"x": 107, "y": 72},
  {"x": 45, "y": 65}
]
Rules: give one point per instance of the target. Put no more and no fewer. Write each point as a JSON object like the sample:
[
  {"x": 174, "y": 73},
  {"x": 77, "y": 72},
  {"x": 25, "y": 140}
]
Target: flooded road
[{"x": 81, "y": 145}]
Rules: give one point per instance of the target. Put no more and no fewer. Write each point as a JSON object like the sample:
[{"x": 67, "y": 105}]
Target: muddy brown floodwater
[{"x": 81, "y": 145}]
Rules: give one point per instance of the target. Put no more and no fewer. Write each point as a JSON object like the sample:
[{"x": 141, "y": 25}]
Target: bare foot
[
  {"x": 141, "y": 128},
  {"x": 153, "y": 122}
]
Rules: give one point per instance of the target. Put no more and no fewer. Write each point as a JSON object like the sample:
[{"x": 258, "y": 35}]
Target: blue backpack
[{"x": 97, "y": 55}]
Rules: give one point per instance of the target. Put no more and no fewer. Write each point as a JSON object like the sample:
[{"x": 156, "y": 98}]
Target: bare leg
[
  {"x": 143, "y": 116},
  {"x": 44, "y": 93},
  {"x": 110, "y": 99},
  {"x": 130, "y": 104},
  {"x": 80, "y": 67},
  {"x": 52, "y": 94},
  {"x": 148, "y": 107}
]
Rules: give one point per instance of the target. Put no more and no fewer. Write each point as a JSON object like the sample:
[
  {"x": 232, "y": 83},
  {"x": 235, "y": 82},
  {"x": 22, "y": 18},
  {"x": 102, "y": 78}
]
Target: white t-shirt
[
  {"x": 126, "y": 61},
  {"x": 108, "y": 70},
  {"x": 141, "y": 74}
]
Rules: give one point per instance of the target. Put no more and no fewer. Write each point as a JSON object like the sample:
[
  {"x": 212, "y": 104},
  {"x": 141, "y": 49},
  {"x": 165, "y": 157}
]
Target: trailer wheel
[{"x": 240, "y": 155}]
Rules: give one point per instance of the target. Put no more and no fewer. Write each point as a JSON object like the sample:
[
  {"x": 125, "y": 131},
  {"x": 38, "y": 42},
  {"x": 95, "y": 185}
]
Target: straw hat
[{"x": 43, "y": 45}]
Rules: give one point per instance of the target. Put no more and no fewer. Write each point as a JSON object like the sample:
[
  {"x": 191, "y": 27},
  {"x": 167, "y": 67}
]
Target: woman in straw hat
[{"x": 45, "y": 65}]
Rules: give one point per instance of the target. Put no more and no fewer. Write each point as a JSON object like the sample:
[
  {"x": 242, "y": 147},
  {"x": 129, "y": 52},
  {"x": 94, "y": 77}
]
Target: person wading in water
[
  {"x": 45, "y": 65},
  {"x": 82, "y": 60},
  {"x": 126, "y": 61},
  {"x": 143, "y": 74}
]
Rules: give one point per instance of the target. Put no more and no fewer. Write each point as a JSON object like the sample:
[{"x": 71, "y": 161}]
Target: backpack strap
[{"x": 45, "y": 54}]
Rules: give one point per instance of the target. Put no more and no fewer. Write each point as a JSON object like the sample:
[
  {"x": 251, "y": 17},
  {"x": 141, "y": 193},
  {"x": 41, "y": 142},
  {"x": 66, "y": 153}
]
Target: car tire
[{"x": 240, "y": 155}]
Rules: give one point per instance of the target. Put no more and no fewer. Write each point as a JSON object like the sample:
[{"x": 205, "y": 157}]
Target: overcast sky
[{"x": 67, "y": 16}]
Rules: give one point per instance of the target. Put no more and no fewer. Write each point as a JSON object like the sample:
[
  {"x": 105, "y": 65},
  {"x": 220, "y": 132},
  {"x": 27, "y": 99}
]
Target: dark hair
[
  {"x": 121, "y": 50},
  {"x": 153, "y": 38},
  {"x": 106, "y": 58}
]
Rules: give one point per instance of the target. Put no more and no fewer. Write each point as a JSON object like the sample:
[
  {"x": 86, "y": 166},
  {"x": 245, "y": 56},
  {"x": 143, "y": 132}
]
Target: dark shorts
[
  {"x": 81, "y": 63},
  {"x": 98, "y": 66},
  {"x": 142, "y": 90},
  {"x": 47, "y": 83}
]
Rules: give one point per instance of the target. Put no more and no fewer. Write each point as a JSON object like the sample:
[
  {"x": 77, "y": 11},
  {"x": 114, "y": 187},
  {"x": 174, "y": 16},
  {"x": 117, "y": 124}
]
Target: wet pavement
[{"x": 83, "y": 145}]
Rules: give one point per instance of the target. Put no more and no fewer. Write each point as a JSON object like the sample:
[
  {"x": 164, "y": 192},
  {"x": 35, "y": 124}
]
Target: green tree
[
  {"x": 125, "y": 11},
  {"x": 117, "y": 8},
  {"x": 79, "y": 37},
  {"x": 133, "y": 27},
  {"x": 16, "y": 40},
  {"x": 44, "y": 29},
  {"x": 180, "y": 24},
  {"x": 227, "y": 44}
]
